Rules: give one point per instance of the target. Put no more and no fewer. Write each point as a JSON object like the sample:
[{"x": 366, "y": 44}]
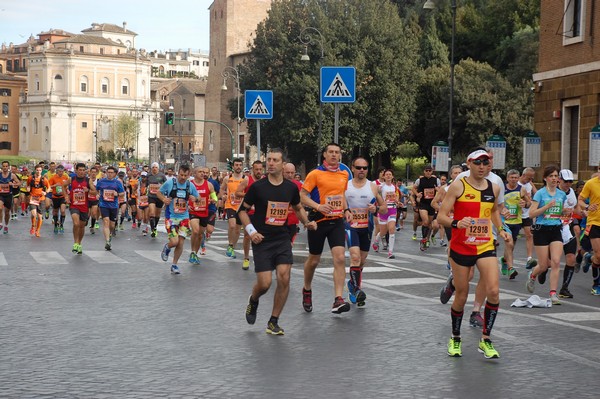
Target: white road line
[
  {"x": 367, "y": 269},
  {"x": 3, "y": 261},
  {"x": 104, "y": 257},
  {"x": 576, "y": 316},
  {"x": 48, "y": 257},
  {"x": 395, "y": 282}
]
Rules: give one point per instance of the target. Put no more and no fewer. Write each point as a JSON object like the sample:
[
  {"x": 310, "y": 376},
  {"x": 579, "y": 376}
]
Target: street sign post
[
  {"x": 338, "y": 86},
  {"x": 497, "y": 144},
  {"x": 532, "y": 150},
  {"x": 258, "y": 105}
]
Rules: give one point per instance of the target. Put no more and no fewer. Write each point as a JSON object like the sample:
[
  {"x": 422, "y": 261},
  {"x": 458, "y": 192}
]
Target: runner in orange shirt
[
  {"x": 37, "y": 187},
  {"x": 58, "y": 183}
]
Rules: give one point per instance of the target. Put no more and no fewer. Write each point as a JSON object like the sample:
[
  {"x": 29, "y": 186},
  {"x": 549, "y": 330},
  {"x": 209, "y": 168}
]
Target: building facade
[
  {"x": 567, "y": 85},
  {"x": 232, "y": 27},
  {"x": 179, "y": 63},
  {"x": 11, "y": 87},
  {"x": 78, "y": 87}
]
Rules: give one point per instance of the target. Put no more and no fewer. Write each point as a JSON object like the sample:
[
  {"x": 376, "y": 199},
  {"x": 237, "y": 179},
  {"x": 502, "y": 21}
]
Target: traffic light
[
  {"x": 169, "y": 118},
  {"x": 229, "y": 165}
]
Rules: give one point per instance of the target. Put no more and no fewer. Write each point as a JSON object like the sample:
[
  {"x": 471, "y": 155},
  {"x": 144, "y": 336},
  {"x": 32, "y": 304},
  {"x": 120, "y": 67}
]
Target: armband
[
  {"x": 213, "y": 196},
  {"x": 454, "y": 224},
  {"x": 250, "y": 229}
]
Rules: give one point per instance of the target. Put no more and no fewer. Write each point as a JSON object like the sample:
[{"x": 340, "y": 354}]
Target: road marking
[
  {"x": 104, "y": 257},
  {"x": 367, "y": 269},
  {"x": 3, "y": 261},
  {"x": 48, "y": 257},
  {"x": 394, "y": 282},
  {"x": 576, "y": 316}
]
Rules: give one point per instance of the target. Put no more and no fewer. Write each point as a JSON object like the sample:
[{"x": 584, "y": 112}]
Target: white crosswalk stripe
[
  {"x": 3, "y": 261},
  {"x": 104, "y": 257},
  {"x": 48, "y": 257}
]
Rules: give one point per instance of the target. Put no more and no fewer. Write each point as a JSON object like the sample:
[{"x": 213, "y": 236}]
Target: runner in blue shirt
[{"x": 108, "y": 189}]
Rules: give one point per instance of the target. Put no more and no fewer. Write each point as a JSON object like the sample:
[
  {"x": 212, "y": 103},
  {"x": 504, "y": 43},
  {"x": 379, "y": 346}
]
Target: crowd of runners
[{"x": 470, "y": 211}]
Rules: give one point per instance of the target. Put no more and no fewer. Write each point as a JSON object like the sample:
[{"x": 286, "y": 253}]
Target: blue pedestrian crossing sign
[
  {"x": 259, "y": 104},
  {"x": 338, "y": 84}
]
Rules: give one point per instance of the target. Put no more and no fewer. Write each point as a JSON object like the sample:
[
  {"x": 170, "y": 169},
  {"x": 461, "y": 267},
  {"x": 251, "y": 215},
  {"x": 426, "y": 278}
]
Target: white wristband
[{"x": 250, "y": 229}]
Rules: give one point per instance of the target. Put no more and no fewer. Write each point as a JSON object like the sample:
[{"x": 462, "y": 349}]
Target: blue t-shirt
[
  {"x": 109, "y": 189},
  {"x": 212, "y": 207},
  {"x": 178, "y": 208},
  {"x": 551, "y": 217}
]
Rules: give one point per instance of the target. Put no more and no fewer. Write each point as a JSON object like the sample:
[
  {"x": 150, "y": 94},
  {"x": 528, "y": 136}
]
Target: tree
[
  {"x": 366, "y": 34},
  {"x": 127, "y": 130}
]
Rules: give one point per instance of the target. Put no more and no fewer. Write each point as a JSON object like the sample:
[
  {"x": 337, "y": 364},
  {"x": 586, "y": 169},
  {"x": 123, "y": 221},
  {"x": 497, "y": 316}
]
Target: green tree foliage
[
  {"x": 127, "y": 130},
  {"x": 366, "y": 34}
]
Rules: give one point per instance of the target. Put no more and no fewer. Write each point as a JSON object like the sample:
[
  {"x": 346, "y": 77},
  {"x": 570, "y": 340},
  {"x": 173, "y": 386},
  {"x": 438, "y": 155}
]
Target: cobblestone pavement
[{"x": 119, "y": 325}]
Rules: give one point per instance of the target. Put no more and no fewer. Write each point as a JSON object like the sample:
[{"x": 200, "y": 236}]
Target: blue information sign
[
  {"x": 338, "y": 84},
  {"x": 258, "y": 104}
]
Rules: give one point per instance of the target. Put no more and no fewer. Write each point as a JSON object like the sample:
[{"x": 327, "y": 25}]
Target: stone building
[
  {"x": 11, "y": 87},
  {"x": 567, "y": 85}
]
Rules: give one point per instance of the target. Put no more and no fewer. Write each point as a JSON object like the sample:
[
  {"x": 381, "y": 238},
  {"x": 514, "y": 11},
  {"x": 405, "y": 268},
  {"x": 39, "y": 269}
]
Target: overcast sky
[{"x": 160, "y": 25}]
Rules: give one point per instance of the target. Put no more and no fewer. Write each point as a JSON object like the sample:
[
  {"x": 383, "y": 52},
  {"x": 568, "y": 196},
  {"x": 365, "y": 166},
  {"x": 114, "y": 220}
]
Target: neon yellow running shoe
[
  {"x": 454, "y": 347},
  {"x": 487, "y": 348},
  {"x": 246, "y": 264}
]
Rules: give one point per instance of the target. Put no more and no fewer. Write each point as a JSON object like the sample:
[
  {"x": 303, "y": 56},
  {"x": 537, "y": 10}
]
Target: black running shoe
[
  {"x": 512, "y": 273},
  {"x": 307, "y": 300},
  {"x": 565, "y": 293},
  {"x": 274, "y": 329},
  {"x": 447, "y": 291},
  {"x": 251, "y": 311},
  {"x": 340, "y": 306},
  {"x": 542, "y": 277}
]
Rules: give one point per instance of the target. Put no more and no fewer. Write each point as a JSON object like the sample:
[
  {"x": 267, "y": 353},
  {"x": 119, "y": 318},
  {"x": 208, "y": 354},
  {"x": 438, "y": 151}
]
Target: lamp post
[
  {"x": 430, "y": 5},
  {"x": 96, "y": 131},
  {"x": 180, "y": 123},
  {"x": 308, "y": 37},
  {"x": 232, "y": 72}
]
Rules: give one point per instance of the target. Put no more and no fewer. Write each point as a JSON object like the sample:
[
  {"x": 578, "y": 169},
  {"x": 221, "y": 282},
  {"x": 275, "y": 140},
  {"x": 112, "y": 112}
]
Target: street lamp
[
  {"x": 430, "y": 5},
  {"x": 232, "y": 72},
  {"x": 96, "y": 131},
  {"x": 180, "y": 122},
  {"x": 308, "y": 37}
]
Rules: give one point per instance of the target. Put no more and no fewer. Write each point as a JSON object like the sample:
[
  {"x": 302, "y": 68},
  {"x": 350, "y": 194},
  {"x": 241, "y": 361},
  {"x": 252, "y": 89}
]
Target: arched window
[
  {"x": 58, "y": 76},
  {"x": 36, "y": 83},
  {"x": 83, "y": 84},
  {"x": 35, "y": 126},
  {"x": 125, "y": 87},
  {"x": 58, "y": 83},
  {"x": 104, "y": 86}
]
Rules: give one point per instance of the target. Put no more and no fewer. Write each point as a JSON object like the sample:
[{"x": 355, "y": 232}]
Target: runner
[
  {"x": 8, "y": 181},
  {"x": 199, "y": 210},
  {"x": 289, "y": 172},
  {"x": 547, "y": 210},
  {"x": 591, "y": 192},
  {"x": 109, "y": 189},
  {"x": 403, "y": 204},
  {"x": 132, "y": 190},
  {"x": 94, "y": 212},
  {"x": 37, "y": 186},
  {"x": 323, "y": 190},
  {"x": 254, "y": 175},
  {"x": 155, "y": 180},
  {"x": 387, "y": 220},
  {"x": 232, "y": 202},
  {"x": 424, "y": 191},
  {"x": 473, "y": 200},
  {"x": 58, "y": 181},
  {"x": 175, "y": 193},
  {"x": 142, "y": 203},
  {"x": 526, "y": 181},
  {"x": 49, "y": 174},
  {"x": 78, "y": 201},
  {"x": 565, "y": 181},
  {"x": 122, "y": 202},
  {"x": 515, "y": 199},
  {"x": 361, "y": 196},
  {"x": 212, "y": 210},
  {"x": 271, "y": 198},
  {"x": 25, "y": 194},
  {"x": 16, "y": 193}
]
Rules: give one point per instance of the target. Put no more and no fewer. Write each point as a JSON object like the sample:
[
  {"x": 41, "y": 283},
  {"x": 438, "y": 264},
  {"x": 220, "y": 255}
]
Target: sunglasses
[
  {"x": 568, "y": 181},
  {"x": 478, "y": 162},
  {"x": 361, "y": 167}
]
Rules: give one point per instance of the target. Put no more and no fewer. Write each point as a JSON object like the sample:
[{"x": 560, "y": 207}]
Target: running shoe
[
  {"x": 385, "y": 247},
  {"x": 37, "y": 233},
  {"x": 447, "y": 291},
  {"x": 74, "y": 250},
  {"x": 274, "y": 329},
  {"x": 398, "y": 228},
  {"x": 531, "y": 263},
  {"x": 61, "y": 230},
  {"x": 96, "y": 226},
  {"x": 596, "y": 290},
  {"x": 92, "y": 231},
  {"x": 55, "y": 229},
  {"x": 554, "y": 299},
  {"x": 512, "y": 273},
  {"x": 307, "y": 300},
  {"x": 203, "y": 251},
  {"x": 565, "y": 293},
  {"x": 432, "y": 240},
  {"x": 375, "y": 247},
  {"x": 164, "y": 254},
  {"x": 107, "y": 246},
  {"x": 251, "y": 310},
  {"x": 79, "y": 249},
  {"x": 47, "y": 214},
  {"x": 5, "y": 230},
  {"x": 414, "y": 237},
  {"x": 423, "y": 244},
  {"x": 340, "y": 306},
  {"x": 144, "y": 233},
  {"x": 587, "y": 262},
  {"x": 530, "y": 284},
  {"x": 542, "y": 277},
  {"x": 454, "y": 347},
  {"x": 230, "y": 252},
  {"x": 504, "y": 266},
  {"x": 175, "y": 269},
  {"x": 487, "y": 348},
  {"x": 426, "y": 244},
  {"x": 194, "y": 259},
  {"x": 121, "y": 228},
  {"x": 391, "y": 256},
  {"x": 246, "y": 264},
  {"x": 356, "y": 295},
  {"x": 153, "y": 234},
  {"x": 351, "y": 295},
  {"x": 134, "y": 225},
  {"x": 443, "y": 243},
  {"x": 475, "y": 320}
]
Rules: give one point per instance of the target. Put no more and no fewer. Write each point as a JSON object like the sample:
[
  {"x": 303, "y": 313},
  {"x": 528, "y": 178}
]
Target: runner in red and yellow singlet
[
  {"x": 255, "y": 175},
  {"x": 232, "y": 203}
]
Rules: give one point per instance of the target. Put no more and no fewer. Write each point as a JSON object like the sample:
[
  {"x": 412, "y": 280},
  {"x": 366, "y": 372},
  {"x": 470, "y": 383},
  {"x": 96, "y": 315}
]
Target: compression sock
[
  {"x": 356, "y": 275},
  {"x": 568, "y": 275},
  {"x": 391, "y": 243},
  {"x": 489, "y": 317},
  {"x": 456, "y": 321}
]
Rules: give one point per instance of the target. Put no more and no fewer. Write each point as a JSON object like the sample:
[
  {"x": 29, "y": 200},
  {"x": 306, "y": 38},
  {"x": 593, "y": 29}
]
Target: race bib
[
  {"x": 4, "y": 188},
  {"x": 34, "y": 200},
  {"x": 277, "y": 213},
  {"x": 335, "y": 201},
  {"x": 23, "y": 183},
  {"x": 143, "y": 200},
  {"x": 122, "y": 197},
  {"x": 179, "y": 205},
  {"x": 199, "y": 205},
  {"x": 360, "y": 218},
  {"x": 390, "y": 199},
  {"x": 566, "y": 216},
  {"x": 154, "y": 188},
  {"x": 109, "y": 195},
  {"x": 233, "y": 199},
  {"x": 479, "y": 232},
  {"x": 428, "y": 193},
  {"x": 554, "y": 212},
  {"x": 58, "y": 189},
  {"x": 78, "y": 197},
  {"x": 513, "y": 210}
]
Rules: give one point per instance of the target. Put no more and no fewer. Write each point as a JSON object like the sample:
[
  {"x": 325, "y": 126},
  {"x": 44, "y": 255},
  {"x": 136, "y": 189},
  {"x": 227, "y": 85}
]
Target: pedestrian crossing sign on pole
[
  {"x": 338, "y": 84},
  {"x": 259, "y": 104}
]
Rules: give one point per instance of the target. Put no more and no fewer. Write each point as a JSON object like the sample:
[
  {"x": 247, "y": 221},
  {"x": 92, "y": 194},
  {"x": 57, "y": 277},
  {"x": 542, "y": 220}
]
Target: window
[
  {"x": 9, "y": 65},
  {"x": 183, "y": 103},
  {"x": 101, "y": 50},
  {"x": 4, "y": 127},
  {"x": 5, "y": 92},
  {"x": 573, "y": 21},
  {"x": 104, "y": 86},
  {"x": 83, "y": 84},
  {"x": 83, "y": 87},
  {"x": 16, "y": 65},
  {"x": 190, "y": 126},
  {"x": 569, "y": 157},
  {"x": 5, "y": 110},
  {"x": 125, "y": 87},
  {"x": 81, "y": 49},
  {"x": 37, "y": 83},
  {"x": 35, "y": 126},
  {"x": 84, "y": 125},
  {"x": 205, "y": 63},
  {"x": 58, "y": 77},
  {"x": 1, "y": 71},
  {"x": 5, "y": 145}
]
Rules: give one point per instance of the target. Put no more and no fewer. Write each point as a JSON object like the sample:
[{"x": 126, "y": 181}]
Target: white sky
[{"x": 160, "y": 25}]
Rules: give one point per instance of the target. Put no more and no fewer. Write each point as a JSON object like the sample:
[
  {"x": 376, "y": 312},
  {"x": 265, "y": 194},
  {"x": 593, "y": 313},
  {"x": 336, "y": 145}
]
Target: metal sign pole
[
  {"x": 258, "y": 137},
  {"x": 337, "y": 123}
]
